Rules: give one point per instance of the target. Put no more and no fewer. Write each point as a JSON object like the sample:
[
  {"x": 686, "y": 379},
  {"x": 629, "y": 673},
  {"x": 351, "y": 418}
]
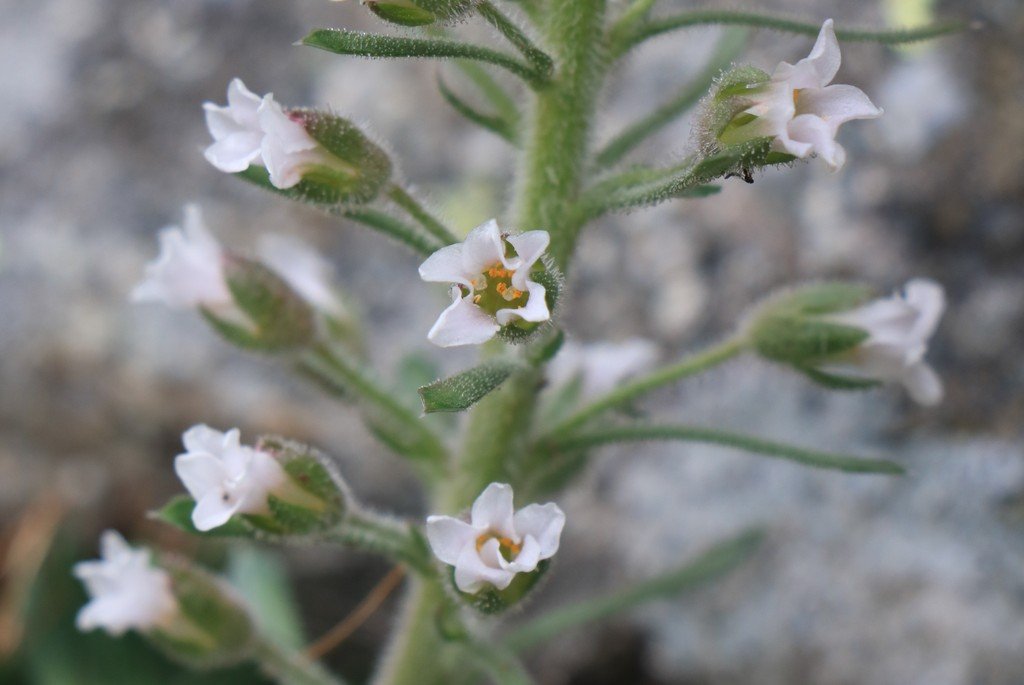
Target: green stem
[
  {"x": 747, "y": 443},
  {"x": 344, "y": 42},
  {"x": 415, "y": 655},
  {"x": 729, "y": 47},
  {"x": 396, "y": 540},
  {"x": 551, "y": 174},
  {"x": 656, "y": 27},
  {"x": 720, "y": 559},
  {"x": 407, "y": 202},
  {"x": 289, "y": 667},
  {"x": 393, "y": 228},
  {"x": 534, "y": 55},
  {"x": 387, "y": 416},
  {"x": 690, "y": 366}
]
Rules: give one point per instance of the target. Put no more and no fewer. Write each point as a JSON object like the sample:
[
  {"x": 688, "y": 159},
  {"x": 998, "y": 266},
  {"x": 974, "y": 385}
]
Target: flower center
[
  {"x": 508, "y": 548},
  {"x": 494, "y": 290}
]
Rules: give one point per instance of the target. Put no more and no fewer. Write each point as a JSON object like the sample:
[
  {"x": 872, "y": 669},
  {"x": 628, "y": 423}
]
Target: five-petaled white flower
[
  {"x": 801, "y": 111},
  {"x": 126, "y": 591},
  {"x": 189, "y": 271},
  {"x": 303, "y": 268},
  {"x": 225, "y": 477},
  {"x": 256, "y": 130},
  {"x": 899, "y": 328},
  {"x": 600, "y": 367},
  {"x": 498, "y": 542},
  {"x": 491, "y": 287}
]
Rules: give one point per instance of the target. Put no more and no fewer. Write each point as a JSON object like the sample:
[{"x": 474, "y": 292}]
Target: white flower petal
[
  {"x": 837, "y": 104},
  {"x": 235, "y": 152},
  {"x": 445, "y": 266},
  {"x": 448, "y": 536},
  {"x": 472, "y": 574},
  {"x": 923, "y": 385},
  {"x": 493, "y": 511},
  {"x": 199, "y": 473},
  {"x": 529, "y": 247},
  {"x": 929, "y": 300},
  {"x": 303, "y": 268},
  {"x": 202, "y": 438},
  {"x": 815, "y": 131},
  {"x": 462, "y": 323},
  {"x": 543, "y": 523},
  {"x": 528, "y": 558},
  {"x": 243, "y": 102},
  {"x": 819, "y": 67},
  {"x": 213, "y": 509},
  {"x": 482, "y": 248},
  {"x": 287, "y": 148},
  {"x": 235, "y": 130},
  {"x": 536, "y": 308}
]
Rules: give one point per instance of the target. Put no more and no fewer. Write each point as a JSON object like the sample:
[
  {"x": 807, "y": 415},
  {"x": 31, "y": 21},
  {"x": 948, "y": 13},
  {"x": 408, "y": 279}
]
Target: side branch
[{"x": 344, "y": 42}]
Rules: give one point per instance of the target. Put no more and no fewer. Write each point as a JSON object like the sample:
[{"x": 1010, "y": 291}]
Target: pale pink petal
[
  {"x": 543, "y": 523},
  {"x": 493, "y": 511},
  {"x": 448, "y": 536},
  {"x": 462, "y": 323}
]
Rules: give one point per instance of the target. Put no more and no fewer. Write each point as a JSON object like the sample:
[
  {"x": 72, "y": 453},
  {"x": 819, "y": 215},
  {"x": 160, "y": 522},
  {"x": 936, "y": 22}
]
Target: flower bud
[
  {"x": 837, "y": 337},
  {"x": 276, "y": 318},
  {"x": 277, "y": 487}
]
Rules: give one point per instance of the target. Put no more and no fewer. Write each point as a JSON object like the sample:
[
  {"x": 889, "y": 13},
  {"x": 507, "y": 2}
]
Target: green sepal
[
  {"x": 277, "y": 317},
  {"x": 310, "y": 471},
  {"x": 463, "y": 390},
  {"x": 213, "y": 628},
  {"x": 364, "y": 168},
  {"x": 490, "y": 600},
  {"x": 401, "y": 14},
  {"x": 446, "y": 10},
  {"x": 546, "y": 346},
  {"x": 834, "y": 381},
  {"x": 519, "y": 332},
  {"x": 178, "y": 513},
  {"x": 733, "y": 93}
]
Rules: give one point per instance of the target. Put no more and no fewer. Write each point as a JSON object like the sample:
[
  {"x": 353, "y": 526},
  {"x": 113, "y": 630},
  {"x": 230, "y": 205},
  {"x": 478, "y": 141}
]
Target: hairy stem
[
  {"x": 627, "y": 393},
  {"x": 289, "y": 667}
]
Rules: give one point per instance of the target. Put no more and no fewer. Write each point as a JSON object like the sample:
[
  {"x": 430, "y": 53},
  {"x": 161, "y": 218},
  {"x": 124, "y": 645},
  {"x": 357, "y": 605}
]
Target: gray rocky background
[{"x": 863, "y": 579}]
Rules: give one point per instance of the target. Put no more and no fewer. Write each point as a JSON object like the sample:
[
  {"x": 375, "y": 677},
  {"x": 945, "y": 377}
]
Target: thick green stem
[
  {"x": 415, "y": 656},
  {"x": 669, "y": 374},
  {"x": 556, "y": 149}
]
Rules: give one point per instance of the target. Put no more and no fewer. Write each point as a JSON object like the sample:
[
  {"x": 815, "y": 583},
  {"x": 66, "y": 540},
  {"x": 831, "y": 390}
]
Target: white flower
[
  {"x": 802, "y": 111},
  {"x": 126, "y": 591},
  {"x": 256, "y": 130},
  {"x": 491, "y": 289},
  {"x": 601, "y": 366},
  {"x": 225, "y": 477},
  {"x": 899, "y": 328},
  {"x": 498, "y": 542},
  {"x": 308, "y": 273},
  {"x": 189, "y": 270}
]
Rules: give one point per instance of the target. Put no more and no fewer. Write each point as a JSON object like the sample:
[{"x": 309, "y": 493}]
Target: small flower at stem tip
[
  {"x": 492, "y": 287},
  {"x": 497, "y": 542}
]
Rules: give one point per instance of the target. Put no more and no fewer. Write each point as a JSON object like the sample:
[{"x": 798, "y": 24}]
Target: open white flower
[
  {"x": 302, "y": 268},
  {"x": 601, "y": 366},
  {"x": 899, "y": 328},
  {"x": 256, "y": 130},
  {"x": 497, "y": 542},
  {"x": 126, "y": 591},
  {"x": 801, "y": 111},
  {"x": 225, "y": 477},
  {"x": 491, "y": 288},
  {"x": 189, "y": 271}
]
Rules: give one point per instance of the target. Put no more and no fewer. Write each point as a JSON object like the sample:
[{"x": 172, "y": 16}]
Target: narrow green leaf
[
  {"x": 714, "y": 563},
  {"x": 344, "y": 42},
  {"x": 541, "y": 62},
  {"x": 491, "y": 89},
  {"x": 493, "y": 123},
  {"x": 661, "y": 25},
  {"x": 465, "y": 389},
  {"x": 768, "y": 448}
]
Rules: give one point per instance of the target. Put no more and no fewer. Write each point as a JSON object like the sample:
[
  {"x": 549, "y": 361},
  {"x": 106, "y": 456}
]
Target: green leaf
[
  {"x": 837, "y": 382},
  {"x": 463, "y": 390},
  {"x": 768, "y": 448},
  {"x": 716, "y": 562},
  {"x": 403, "y": 15},
  {"x": 493, "y": 123},
  {"x": 344, "y": 42},
  {"x": 178, "y": 513}
]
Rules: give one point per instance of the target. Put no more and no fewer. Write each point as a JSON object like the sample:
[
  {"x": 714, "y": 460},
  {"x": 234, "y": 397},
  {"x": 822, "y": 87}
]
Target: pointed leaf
[{"x": 463, "y": 390}]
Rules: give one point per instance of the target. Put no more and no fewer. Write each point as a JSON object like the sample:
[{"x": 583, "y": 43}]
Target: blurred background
[{"x": 863, "y": 579}]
